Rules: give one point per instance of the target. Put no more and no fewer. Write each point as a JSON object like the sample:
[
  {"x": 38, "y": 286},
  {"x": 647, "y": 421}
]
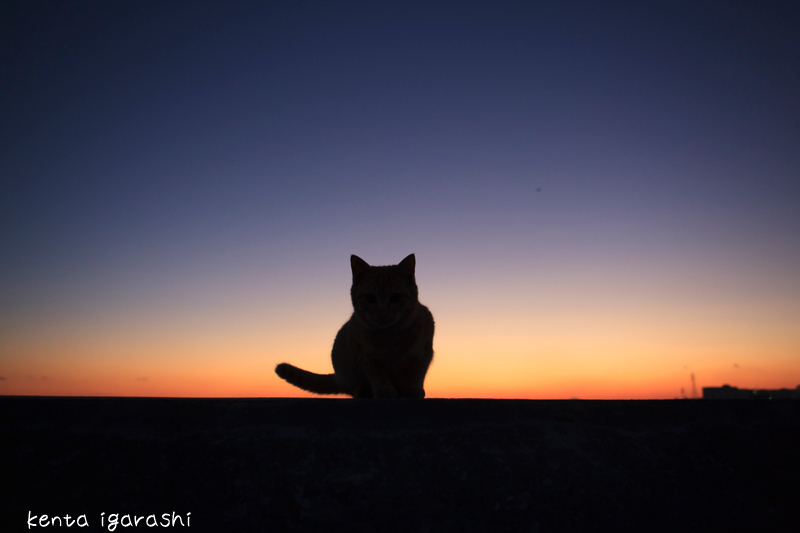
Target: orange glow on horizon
[
  {"x": 261, "y": 382},
  {"x": 503, "y": 341}
]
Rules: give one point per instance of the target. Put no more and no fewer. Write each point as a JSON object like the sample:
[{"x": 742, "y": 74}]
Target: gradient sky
[{"x": 602, "y": 197}]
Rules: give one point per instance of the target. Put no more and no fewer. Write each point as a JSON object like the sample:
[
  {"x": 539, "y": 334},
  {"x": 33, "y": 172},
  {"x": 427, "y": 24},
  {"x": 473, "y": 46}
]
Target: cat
[{"x": 386, "y": 347}]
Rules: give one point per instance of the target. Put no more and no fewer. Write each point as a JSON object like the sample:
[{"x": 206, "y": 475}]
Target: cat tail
[{"x": 309, "y": 381}]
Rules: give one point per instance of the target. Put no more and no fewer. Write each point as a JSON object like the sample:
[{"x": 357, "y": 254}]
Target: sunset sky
[{"x": 603, "y": 197}]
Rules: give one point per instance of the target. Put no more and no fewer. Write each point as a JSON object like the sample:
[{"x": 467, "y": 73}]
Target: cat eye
[
  {"x": 395, "y": 297},
  {"x": 370, "y": 298}
]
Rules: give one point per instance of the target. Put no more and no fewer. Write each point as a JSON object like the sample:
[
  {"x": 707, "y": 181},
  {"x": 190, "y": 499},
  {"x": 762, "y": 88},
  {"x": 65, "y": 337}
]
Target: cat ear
[
  {"x": 358, "y": 265},
  {"x": 407, "y": 265}
]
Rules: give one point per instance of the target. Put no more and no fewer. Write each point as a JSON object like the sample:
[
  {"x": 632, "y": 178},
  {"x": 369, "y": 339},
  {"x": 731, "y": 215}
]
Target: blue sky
[{"x": 222, "y": 160}]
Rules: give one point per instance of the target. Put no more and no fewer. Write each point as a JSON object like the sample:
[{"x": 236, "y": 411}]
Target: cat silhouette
[{"x": 386, "y": 347}]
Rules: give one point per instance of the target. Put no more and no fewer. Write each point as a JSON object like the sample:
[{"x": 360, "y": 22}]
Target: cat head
[{"x": 384, "y": 296}]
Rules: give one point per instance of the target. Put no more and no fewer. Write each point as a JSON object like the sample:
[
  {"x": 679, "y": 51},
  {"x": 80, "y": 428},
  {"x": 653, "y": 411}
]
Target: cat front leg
[
  {"x": 384, "y": 390},
  {"x": 410, "y": 376},
  {"x": 379, "y": 381},
  {"x": 412, "y": 392},
  {"x": 363, "y": 392}
]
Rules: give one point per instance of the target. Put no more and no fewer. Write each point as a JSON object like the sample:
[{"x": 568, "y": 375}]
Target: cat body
[{"x": 384, "y": 350}]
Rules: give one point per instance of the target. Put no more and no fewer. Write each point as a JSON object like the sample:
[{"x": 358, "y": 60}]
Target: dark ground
[{"x": 404, "y": 465}]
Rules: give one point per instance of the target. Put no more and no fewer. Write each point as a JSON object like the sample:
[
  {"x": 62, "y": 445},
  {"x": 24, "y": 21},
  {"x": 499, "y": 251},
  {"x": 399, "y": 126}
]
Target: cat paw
[
  {"x": 414, "y": 393},
  {"x": 363, "y": 393},
  {"x": 386, "y": 392}
]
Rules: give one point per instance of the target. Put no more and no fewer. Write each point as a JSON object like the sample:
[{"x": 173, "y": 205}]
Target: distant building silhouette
[{"x": 726, "y": 392}]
